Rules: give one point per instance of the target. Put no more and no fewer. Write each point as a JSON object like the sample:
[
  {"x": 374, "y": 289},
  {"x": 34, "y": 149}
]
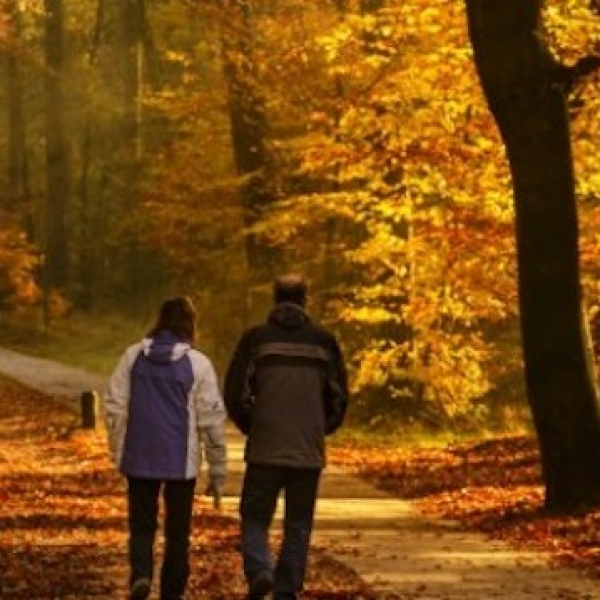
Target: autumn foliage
[
  {"x": 386, "y": 178},
  {"x": 410, "y": 199},
  {"x": 18, "y": 264}
]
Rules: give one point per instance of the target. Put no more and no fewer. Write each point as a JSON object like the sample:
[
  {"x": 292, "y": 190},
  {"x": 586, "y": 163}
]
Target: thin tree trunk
[
  {"x": 17, "y": 164},
  {"x": 122, "y": 64},
  {"x": 130, "y": 75},
  {"x": 520, "y": 80},
  {"x": 90, "y": 275},
  {"x": 57, "y": 155},
  {"x": 248, "y": 131}
]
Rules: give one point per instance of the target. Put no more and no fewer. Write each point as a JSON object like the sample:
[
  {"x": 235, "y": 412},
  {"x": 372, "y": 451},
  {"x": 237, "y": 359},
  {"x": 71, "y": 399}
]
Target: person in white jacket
[{"x": 163, "y": 410}]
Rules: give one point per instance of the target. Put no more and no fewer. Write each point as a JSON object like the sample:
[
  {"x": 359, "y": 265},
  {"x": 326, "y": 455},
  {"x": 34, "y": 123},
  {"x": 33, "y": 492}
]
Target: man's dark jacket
[{"x": 286, "y": 389}]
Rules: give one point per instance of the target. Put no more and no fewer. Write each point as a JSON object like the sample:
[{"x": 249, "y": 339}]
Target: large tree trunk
[
  {"x": 57, "y": 155},
  {"x": 522, "y": 86}
]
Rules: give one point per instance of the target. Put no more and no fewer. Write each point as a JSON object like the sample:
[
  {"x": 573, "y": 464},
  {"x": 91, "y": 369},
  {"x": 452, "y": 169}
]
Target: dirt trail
[{"x": 393, "y": 548}]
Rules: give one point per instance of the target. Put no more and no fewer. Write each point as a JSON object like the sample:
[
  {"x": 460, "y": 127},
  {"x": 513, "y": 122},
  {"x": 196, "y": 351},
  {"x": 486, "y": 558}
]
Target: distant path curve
[{"x": 49, "y": 376}]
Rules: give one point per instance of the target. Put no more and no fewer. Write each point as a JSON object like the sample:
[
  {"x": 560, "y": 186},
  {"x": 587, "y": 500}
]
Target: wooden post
[{"x": 88, "y": 409}]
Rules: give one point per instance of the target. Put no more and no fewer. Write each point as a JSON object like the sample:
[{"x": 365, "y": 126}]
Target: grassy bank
[{"x": 94, "y": 342}]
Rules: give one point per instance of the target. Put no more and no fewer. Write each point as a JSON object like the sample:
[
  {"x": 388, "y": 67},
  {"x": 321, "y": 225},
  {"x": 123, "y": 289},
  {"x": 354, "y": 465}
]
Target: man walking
[{"x": 286, "y": 390}]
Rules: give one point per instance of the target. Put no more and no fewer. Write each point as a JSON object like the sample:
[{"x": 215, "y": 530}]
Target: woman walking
[{"x": 162, "y": 409}]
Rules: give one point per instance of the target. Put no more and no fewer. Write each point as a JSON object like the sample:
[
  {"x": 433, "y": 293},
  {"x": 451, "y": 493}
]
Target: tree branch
[{"x": 569, "y": 77}]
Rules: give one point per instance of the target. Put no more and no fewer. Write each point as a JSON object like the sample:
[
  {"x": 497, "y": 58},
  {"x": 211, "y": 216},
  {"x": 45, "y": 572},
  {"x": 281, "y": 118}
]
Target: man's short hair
[{"x": 290, "y": 288}]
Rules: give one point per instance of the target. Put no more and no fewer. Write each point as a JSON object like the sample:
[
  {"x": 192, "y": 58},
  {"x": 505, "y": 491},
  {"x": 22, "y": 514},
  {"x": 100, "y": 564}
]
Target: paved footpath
[{"x": 397, "y": 551}]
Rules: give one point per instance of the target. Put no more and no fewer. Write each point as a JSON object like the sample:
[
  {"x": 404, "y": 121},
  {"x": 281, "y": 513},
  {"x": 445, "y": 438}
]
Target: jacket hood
[
  {"x": 290, "y": 315},
  {"x": 165, "y": 347}
]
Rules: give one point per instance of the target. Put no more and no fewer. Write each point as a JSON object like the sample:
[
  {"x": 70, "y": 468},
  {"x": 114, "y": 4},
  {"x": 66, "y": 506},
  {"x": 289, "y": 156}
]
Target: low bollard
[
  {"x": 89, "y": 400},
  {"x": 217, "y": 500}
]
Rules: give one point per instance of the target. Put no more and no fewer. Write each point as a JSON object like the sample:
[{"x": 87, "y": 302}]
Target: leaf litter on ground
[
  {"x": 492, "y": 486},
  {"x": 63, "y": 531},
  {"x": 63, "y": 515}
]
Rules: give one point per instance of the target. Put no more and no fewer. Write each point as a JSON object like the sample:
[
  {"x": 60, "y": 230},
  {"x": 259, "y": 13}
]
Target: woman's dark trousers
[
  {"x": 262, "y": 485},
  {"x": 143, "y": 497}
]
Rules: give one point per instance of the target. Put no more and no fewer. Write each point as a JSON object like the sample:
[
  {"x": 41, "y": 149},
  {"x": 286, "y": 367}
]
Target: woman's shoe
[{"x": 261, "y": 585}]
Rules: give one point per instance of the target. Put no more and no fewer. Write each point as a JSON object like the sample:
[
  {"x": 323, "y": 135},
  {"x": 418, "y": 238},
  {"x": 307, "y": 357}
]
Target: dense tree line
[{"x": 154, "y": 146}]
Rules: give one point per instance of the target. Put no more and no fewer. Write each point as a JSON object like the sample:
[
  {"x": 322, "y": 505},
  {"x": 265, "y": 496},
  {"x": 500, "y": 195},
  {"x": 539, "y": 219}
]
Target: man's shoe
[
  {"x": 261, "y": 585},
  {"x": 140, "y": 590}
]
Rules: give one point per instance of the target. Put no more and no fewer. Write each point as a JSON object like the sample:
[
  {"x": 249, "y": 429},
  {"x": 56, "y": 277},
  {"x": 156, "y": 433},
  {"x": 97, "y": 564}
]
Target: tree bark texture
[
  {"x": 57, "y": 154},
  {"x": 18, "y": 184},
  {"x": 248, "y": 130},
  {"x": 519, "y": 79},
  {"x": 121, "y": 23}
]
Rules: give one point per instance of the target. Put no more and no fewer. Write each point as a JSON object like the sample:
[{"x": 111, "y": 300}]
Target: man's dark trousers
[
  {"x": 262, "y": 486},
  {"x": 143, "y": 495}
]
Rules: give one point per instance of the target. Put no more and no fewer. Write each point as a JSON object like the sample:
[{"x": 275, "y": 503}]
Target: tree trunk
[
  {"x": 520, "y": 82},
  {"x": 129, "y": 45},
  {"x": 57, "y": 155},
  {"x": 89, "y": 275},
  {"x": 121, "y": 63},
  {"x": 248, "y": 132},
  {"x": 18, "y": 184}
]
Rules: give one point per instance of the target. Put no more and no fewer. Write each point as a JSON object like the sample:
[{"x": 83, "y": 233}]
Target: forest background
[{"x": 157, "y": 147}]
